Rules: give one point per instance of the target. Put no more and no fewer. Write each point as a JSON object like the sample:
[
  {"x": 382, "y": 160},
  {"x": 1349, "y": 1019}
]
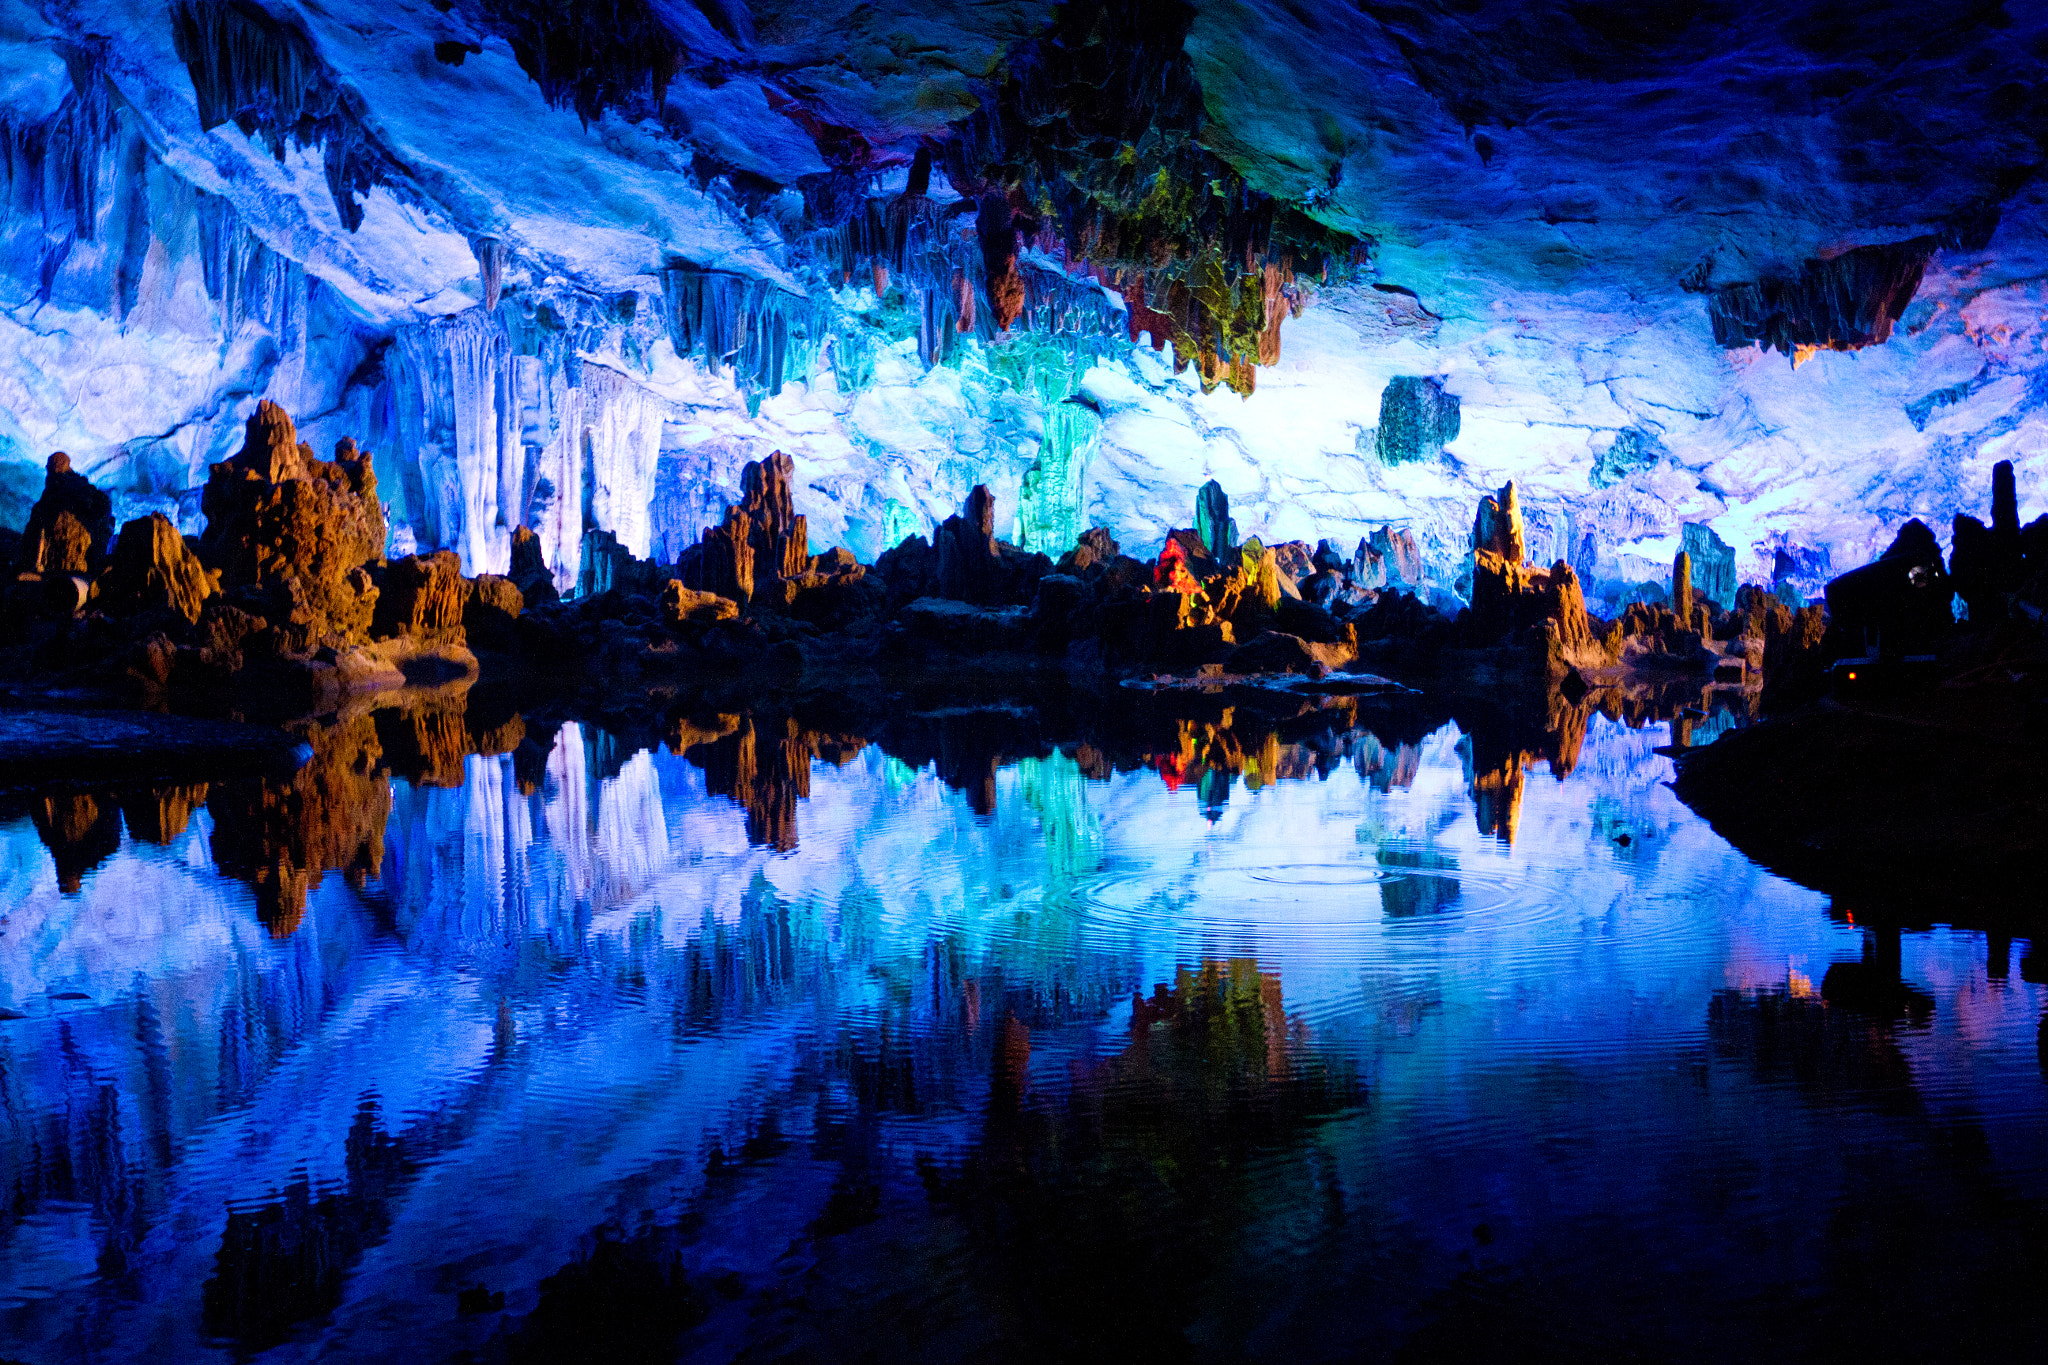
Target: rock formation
[
  {"x": 69, "y": 526},
  {"x": 1681, "y": 588},
  {"x": 1899, "y": 603},
  {"x": 529, "y": 571},
  {"x": 1213, "y": 526},
  {"x": 1713, "y": 564},
  {"x": 291, "y": 534},
  {"x": 969, "y": 566},
  {"x": 422, "y": 597},
  {"x": 1497, "y": 529},
  {"x": 152, "y": 569}
]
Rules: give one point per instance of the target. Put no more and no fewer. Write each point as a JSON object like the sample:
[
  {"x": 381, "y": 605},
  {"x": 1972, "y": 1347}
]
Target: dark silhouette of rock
[
  {"x": 491, "y": 610},
  {"x": 1988, "y": 563},
  {"x": 1974, "y": 570},
  {"x": 2005, "y": 506},
  {"x": 80, "y": 831},
  {"x": 1095, "y": 546},
  {"x": 48, "y": 548},
  {"x": 529, "y": 570},
  {"x": 158, "y": 815},
  {"x": 152, "y": 569},
  {"x": 1900, "y": 603},
  {"x": 907, "y": 569},
  {"x": 725, "y": 560},
  {"x": 970, "y": 568},
  {"x": 294, "y": 533}
]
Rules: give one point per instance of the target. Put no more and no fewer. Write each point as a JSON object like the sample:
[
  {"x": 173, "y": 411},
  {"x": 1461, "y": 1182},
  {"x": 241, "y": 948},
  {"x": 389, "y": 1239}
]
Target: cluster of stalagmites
[
  {"x": 289, "y": 578},
  {"x": 289, "y": 581}
]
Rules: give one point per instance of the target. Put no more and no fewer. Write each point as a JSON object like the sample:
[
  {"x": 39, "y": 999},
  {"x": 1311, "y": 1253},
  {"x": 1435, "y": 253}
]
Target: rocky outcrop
[
  {"x": 1417, "y": 420},
  {"x": 1713, "y": 564},
  {"x": 152, "y": 569},
  {"x": 1989, "y": 563},
  {"x": 491, "y": 607},
  {"x": 291, "y": 535},
  {"x": 1898, "y": 604},
  {"x": 724, "y": 559},
  {"x": 969, "y": 568},
  {"x": 1497, "y": 528},
  {"x": 529, "y": 570},
  {"x": 422, "y": 597},
  {"x": 1214, "y": 529},
  {"x": 680, "y": 605},
  {"x": 780, "y": 536},
  {"x": 970, "y": 565},
  {"x": 70, "y": 525}
]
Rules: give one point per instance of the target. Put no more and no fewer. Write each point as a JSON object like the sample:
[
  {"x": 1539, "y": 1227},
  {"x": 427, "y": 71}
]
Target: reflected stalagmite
[
  {"x": 763, "y": 764},
  {"x": 283, "y": 837},
  {"x": 160, "y": 814},
  {"x": 81, "y": 832}
]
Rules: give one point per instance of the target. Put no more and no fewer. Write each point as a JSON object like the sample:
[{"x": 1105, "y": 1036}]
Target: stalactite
[
  {"x": 491, "y": 256},
  {"x": 590, "y": 56},
  {"x": 261, "y": 72},
  {"x": 766, "y": 334}
]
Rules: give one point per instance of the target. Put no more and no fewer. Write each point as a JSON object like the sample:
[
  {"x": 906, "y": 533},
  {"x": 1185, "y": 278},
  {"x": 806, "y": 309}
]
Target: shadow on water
[{"x": 1213, "y": 1026}]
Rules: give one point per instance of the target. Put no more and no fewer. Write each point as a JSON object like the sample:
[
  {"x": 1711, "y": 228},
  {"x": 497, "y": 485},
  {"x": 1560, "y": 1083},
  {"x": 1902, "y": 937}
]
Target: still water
[{"x": 1349, "y": 1041}]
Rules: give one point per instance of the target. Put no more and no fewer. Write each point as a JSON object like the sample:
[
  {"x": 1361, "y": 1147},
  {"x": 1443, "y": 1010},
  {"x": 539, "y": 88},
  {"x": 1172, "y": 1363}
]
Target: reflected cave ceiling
[{"x": 1606, "y": 229}]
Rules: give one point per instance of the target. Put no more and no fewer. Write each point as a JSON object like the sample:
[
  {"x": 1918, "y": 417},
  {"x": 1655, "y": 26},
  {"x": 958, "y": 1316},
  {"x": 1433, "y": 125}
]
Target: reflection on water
[{"x": 1317, "y": 1028}]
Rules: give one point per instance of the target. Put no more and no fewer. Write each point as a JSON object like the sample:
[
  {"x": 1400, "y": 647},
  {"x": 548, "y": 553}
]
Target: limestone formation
[
  {"x": 680, "y": 605},
  {"x": 1988, "y": 563},
  {"x": 491, "y": 608},
  {"x": 1713, "y": 564},
  {"x": 970, "y": 568},
  {"x": 47, "y": 545},
  {"x": 1417, "y": 420},
  {"x": 780, "y": 536},
  {"x": 422, "y": 597},
  {"x": 529, "y": 570},
  {"x": 1497, "y": 529},
  {"x": 1898, "y": 603},
  {"x": 293, "y": 533},
  {"x": 1213, "y": 526},
  {"x": 1681, "y": 587},
  {"x": 725, "y": 559},
  {"x": 152, "y": 569},
  {"x": 59, "y": 547}
]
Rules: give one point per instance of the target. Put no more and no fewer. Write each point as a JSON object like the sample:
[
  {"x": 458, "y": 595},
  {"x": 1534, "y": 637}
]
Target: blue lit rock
[{"x": 1712, "y": 564}]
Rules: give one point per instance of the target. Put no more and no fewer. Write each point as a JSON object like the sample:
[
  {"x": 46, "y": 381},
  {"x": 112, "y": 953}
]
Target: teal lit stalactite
[{"x": 1050, "y": 502}]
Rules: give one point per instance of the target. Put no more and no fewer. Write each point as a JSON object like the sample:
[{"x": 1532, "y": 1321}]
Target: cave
[{"x": 1107, "y": 679}]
